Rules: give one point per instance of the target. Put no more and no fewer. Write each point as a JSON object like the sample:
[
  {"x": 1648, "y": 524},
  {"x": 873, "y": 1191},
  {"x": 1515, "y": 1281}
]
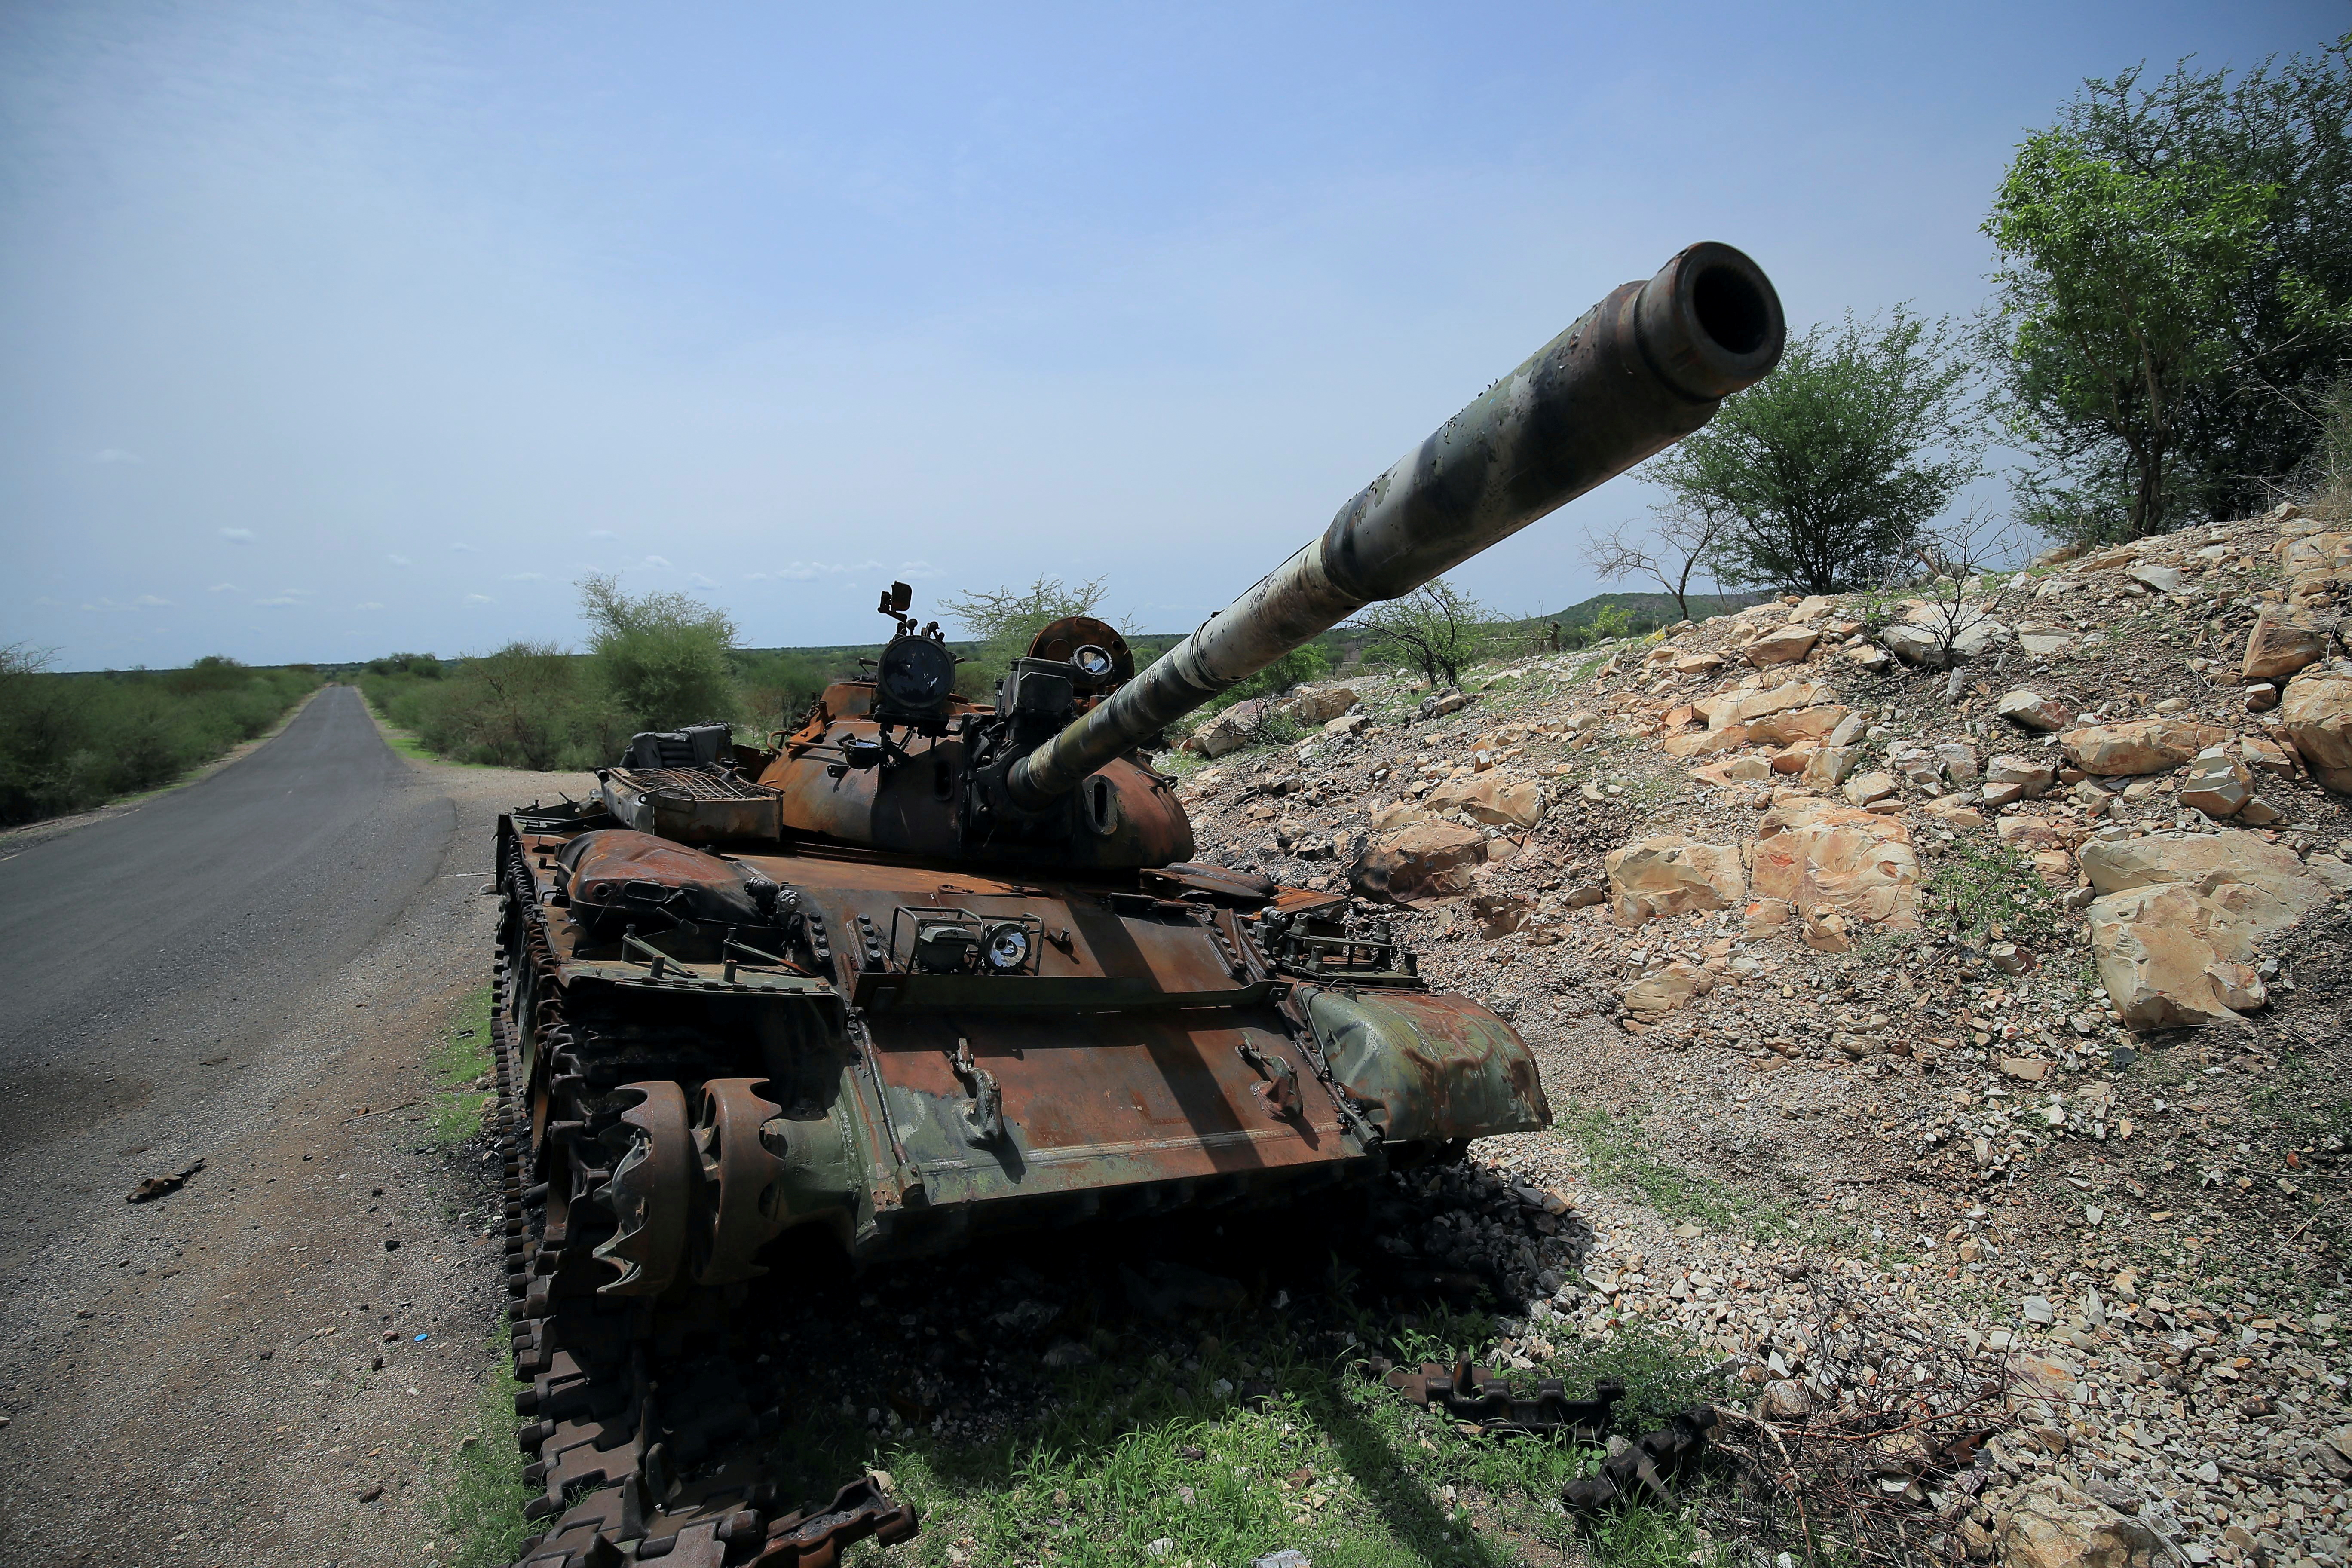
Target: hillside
[{"x": 1953, "y": 1051}]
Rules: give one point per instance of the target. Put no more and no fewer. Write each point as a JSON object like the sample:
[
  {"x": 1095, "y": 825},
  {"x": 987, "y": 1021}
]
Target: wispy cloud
[
  {"x": 524, "y": 578},
  {"x": 224, "y": 588},
  {"x": 371, "y": 604},
  {"x": 115, "y": 455},
  {"x": 916, "y": 570},
  {"x": 802, "y": 571},
  {"x": 152, "y": 602},
  {"x": 478, "y": 599},
  {"x": 661, "y": 561},
  {"x": 603, "y": 533},
  {"x": 400, "y": 561},
  {"x": 280, "y": 601},
  {"x": 699, "y": 580},
  {"x": 237, "y": 535},
  {"x": 464, "y": 549}
]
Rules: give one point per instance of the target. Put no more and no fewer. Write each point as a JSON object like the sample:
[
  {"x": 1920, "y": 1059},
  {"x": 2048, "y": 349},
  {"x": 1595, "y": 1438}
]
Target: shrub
[{"x": 663, "y": 657}]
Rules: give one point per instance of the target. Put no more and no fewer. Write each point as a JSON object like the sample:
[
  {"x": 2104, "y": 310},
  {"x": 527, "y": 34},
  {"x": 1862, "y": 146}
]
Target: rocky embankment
[{"x": 1974, "y": 962}]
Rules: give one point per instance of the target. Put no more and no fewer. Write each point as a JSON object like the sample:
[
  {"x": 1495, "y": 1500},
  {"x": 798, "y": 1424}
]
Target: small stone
[
  {"x": 2262, "y": 697},
  {"x": 2163, "y": 579},
  {"x": 1866, "y": 788},
  {"x": 2037, "y": 1310},
  {"x": 1783, "y": 645},
  {"x": 372, "y": 1493},
  {"x": 2031, "y": 710},
  {"x": 1785, "y": 1399}
]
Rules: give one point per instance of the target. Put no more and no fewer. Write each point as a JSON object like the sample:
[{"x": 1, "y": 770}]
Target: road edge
[{"x": 15, "y": 841}]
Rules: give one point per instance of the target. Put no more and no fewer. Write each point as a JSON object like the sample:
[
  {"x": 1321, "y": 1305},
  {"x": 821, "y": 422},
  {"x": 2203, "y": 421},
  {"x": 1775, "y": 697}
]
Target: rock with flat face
[
  {"x": 1822, "y": 859},
  {"x": 2316, "y": 715},
  {"x": 1311, "y": 708},
  {"x": 1785, "y": 645},
  {"x": 1827, "y": 768},
  {"x": 1956, "y": 811},
  {"x": 1914, "y": 645},
  {"x": 1865, "y": 788},
  {"x": 2008, "y": 778},
  {"x": 1491, "y": 799},
  {"x": 2163, "y": 579},
  {"x": 2218, "y": 783},
  {"x": 2032, "y": 710},
  {"x": 2277, "y": 646},
  {"x": 2156, "y": 949},
  {"x": 1500, "y": 914},
  {"x": 2140, "y": 746},
  {"x": 1423, "y": 862},
  {"x": 1665, "y": 989},
  {"x": 1785, "y": 728},
  {"x": 1960, "y": 760},
  {"x": 1669, "y": 874},
  {"x": 2260, "y": 883}
]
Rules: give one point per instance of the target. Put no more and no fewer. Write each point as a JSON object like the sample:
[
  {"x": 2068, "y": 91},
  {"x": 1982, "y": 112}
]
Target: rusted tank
[{"x": 928, "y": 969}]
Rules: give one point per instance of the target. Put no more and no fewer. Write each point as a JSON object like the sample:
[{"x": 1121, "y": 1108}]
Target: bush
[
  {"x": 1300, "y": 665},
  {"x": 69, "y": 743},
  {"x": 528, "y": 705},
  {"x": 663, "y": 658}
]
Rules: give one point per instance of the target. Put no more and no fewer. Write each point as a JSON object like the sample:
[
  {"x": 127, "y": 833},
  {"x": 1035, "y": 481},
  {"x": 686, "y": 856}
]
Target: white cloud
[
  {"x": 466, "y": 549},
  {"x": 240, "y": 535},
  {"x": 656, "y": 560},
  {"x": 699, "y": 580},
  {"x": 916, "y": 570},
  {"x": 224, "y": 588},
  {"x": 524, "y": 578},
  {"x": 116, "y": 454},
  {"x": 603, "y": 533},
  {"x": 371, "y": 604},
  {"x": 478, "y": 599},
  {"x": 400, "y": 560},
  {"x": 281, "y": 600},
  {"x": 151, "y": 600}
]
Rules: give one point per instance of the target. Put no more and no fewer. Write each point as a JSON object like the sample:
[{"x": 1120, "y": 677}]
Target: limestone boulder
[
  {"x": 1423, "y": 862},
  {"x": 1669, "y": 874},
  {"x": 2156, "y": 947},
  {"x": 1667, "y": 987},
  {"x": 1784, "y": 645},
  {"x": 1913, "y": 645},
  {"x": 2010, "y": 778},
  {"x": 2218, "y": 783},
  {"x": 2316, "y": 715},
  {"x": 2277, "y": 646},
  {"x": 2314, "y": 552},
  {"x": 2031, "y": 710},
  {"x": 1795, "y": 724},
  {"x": 1317, "y": 707},
  {"x": 1705, "y": 743},
  {"x": 2263, "y": 885},
  {"x": 2140, "y": 746},
  {"x": 2050, "y": 1524},
  {"x": 1865, "y": 789},
  {"x": 1822, "y": 859},
  {"x": 1403, "y": 814},
  {"x": 1729, "y": 707},
  {"x": 1492, "y": 799},
  {"x": 1828, "y": 767},
  {"x": 1230, "y": 730}
]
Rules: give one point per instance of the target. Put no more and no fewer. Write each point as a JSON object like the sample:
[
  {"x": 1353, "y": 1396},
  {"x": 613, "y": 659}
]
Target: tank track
[{"x": 642, "y": 1422}]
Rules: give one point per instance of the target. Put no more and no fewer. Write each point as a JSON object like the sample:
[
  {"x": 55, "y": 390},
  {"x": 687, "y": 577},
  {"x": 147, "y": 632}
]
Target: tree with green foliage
[
  {"x": 2113, "y": 302},
  {"x": 1004, "y": 621},
  {"x": 1824, "y": 473},
  {"x": 2251, "y": 197},
  {"x": 1436, "y": 628},
  {"x": 663, "y": 657}
]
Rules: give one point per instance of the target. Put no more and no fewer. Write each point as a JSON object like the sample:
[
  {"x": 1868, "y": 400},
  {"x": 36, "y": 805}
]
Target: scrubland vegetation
[{"x": 69, "y": 743}]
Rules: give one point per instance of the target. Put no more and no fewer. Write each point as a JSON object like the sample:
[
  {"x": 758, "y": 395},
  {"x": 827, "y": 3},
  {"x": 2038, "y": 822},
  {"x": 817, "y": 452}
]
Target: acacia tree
[
  {"x": 1678, "y": 546},
  {"x": 1436, "y": 628},
  {"x": 1006, "y": 620},
  {"x": 2254, "y": 414},
  {"x": 1824, "y": 472},
  {"x": 2113, "y": 302}
]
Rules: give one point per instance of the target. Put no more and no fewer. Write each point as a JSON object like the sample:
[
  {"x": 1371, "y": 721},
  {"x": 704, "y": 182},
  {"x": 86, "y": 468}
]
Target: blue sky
[{"x": 330, "y": 329}]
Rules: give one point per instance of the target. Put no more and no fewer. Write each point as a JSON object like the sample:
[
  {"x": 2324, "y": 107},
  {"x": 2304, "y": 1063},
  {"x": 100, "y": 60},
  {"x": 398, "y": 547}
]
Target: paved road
[
  {"x": 148, "y": 953},
  {"x": 272, "y": 1365}
]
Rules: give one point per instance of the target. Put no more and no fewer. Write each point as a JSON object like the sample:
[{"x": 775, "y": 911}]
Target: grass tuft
[{"x": 462, "y": 1057}]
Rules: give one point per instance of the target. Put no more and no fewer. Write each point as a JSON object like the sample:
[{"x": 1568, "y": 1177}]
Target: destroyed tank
[{"x": 926, "y": 969}]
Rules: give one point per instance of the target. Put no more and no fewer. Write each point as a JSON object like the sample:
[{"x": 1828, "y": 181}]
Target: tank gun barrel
[{"x": 1644, "y": 368}]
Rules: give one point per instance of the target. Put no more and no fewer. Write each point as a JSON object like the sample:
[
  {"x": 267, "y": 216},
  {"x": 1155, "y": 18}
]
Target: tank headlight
[{"x": 1008, "y": 948}]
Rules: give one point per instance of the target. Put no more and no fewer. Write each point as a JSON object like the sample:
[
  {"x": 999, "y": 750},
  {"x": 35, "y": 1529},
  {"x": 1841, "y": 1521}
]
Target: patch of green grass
[
  {"x": 1618, "y": 1153},
  {"x": 462, "y": 1057},
  {"x": 481, "y": 1508},
  {"x": 1985, "y": 891},
  {"x": 1333, "y": 1463}
]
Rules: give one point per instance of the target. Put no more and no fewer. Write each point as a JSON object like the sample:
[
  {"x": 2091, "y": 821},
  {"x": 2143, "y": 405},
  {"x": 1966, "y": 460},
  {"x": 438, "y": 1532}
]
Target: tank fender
[
  {"x": 617, "y": 874},
  {"x": 1427, "y": 1066}
]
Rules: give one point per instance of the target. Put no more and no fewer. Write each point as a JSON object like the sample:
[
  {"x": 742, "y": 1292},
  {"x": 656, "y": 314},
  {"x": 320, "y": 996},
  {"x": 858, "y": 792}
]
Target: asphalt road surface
[{"x": 272, "y": 1364}]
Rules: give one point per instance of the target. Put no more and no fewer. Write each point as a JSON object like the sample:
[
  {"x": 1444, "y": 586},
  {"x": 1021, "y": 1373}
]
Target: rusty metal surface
[
  {"x": 1479, "y": 1395},
  {"x": 691, "y": 805},
  {"x": 1644, "y": 368}
]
